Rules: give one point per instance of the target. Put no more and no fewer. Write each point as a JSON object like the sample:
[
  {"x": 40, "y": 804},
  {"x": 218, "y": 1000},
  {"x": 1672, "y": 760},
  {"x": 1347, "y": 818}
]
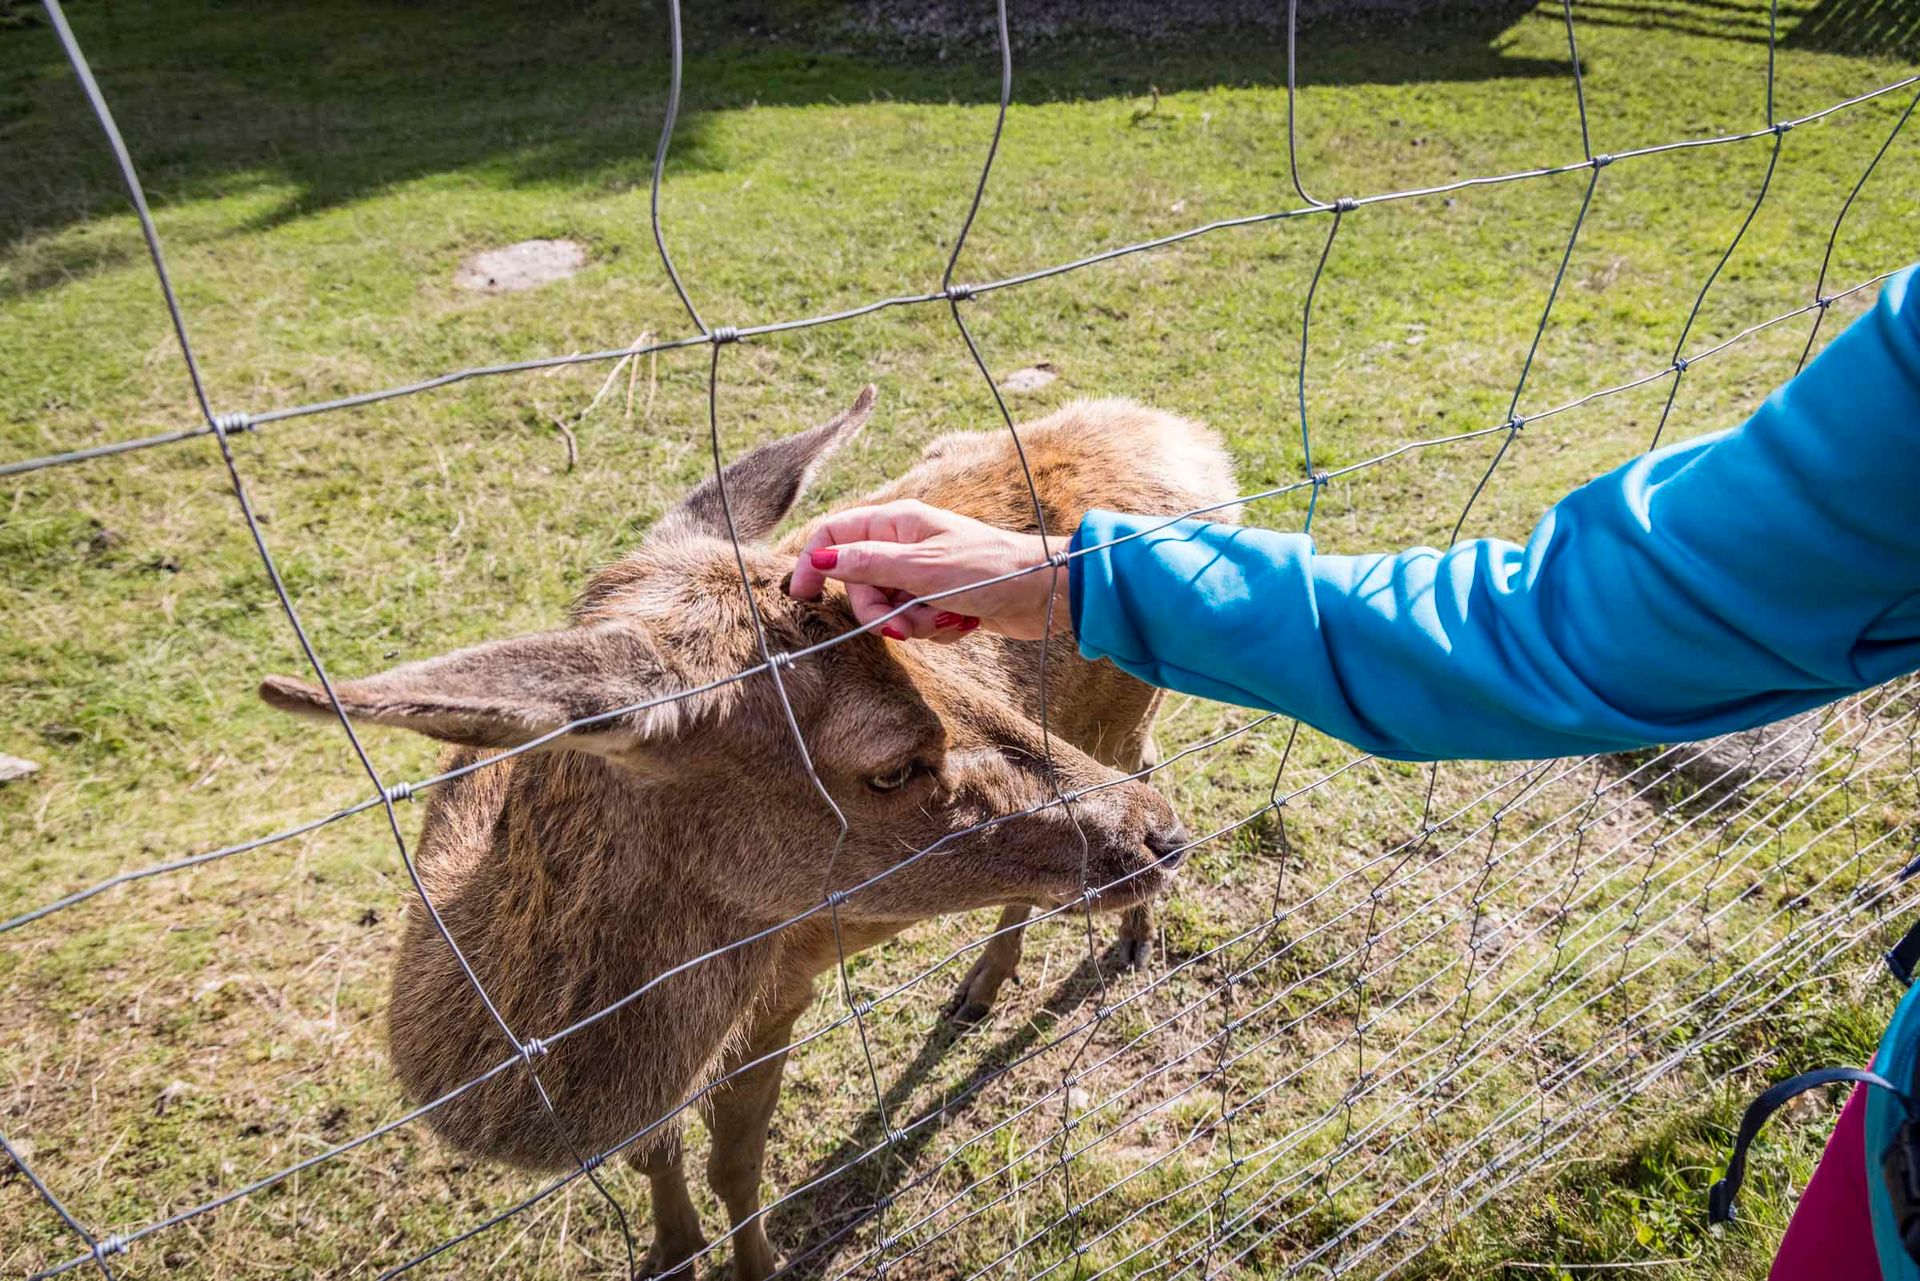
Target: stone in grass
[
  {"x": 1033, "y": 379},
  {"x": 1769, "y": 753},
  {"x": 12, "y": 767},
  {"x": 526, "y": 265}
]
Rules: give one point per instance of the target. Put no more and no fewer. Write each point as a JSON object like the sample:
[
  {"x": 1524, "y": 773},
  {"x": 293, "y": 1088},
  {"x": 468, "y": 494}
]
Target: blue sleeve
[{"x": 1712, "y": 586}]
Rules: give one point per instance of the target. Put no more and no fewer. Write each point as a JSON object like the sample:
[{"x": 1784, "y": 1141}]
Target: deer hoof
[
  {"x": 962, "y": 1012},
  {"x": 1132, "y": 954},
  {"x": 659, "y": 1267}
]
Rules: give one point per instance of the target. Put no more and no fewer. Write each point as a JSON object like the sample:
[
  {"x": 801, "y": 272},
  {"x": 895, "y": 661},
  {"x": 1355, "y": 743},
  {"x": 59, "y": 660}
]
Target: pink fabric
[{"x": 1831, "y": 1235}]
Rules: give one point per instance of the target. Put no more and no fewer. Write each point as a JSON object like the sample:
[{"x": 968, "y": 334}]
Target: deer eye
[{"x": 894, "y": 780}]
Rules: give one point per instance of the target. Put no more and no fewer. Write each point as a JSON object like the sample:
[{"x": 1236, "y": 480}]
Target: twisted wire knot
[
  {"x": 1601, "y": 161},
  {"x": 1823, "y": 302},
  {"x": 1058, "y": 560},
  {"x": 1680, "y": 364},
  {"x": 228, "y": 424},
  {"x": 1346, "y": 204},
  {"x": 1321, "y": 479},
  {"x": 724, "y": 335},
  {"x": 1516, "y": 422},
  {"x": 958, "y": 293},
  {"x": 109, "y": 1245},
  {"x": 592, "y": 1163},
  {"x": 836, "y": 898},
  {"x": 532, "y": 1048},
  {"x": 780, "y": 660},
  {"x": 1781, "y": 128},
  {"x": 398, "y": 792}
]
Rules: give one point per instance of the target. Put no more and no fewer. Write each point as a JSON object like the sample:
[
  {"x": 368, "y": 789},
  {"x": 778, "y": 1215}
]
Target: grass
[{"x": 318, "y": 173}]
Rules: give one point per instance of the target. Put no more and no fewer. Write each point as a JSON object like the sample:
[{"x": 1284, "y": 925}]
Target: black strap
[
  {"x": 1720, "y": 1197},
  {"x": 1905, "y": 955}
]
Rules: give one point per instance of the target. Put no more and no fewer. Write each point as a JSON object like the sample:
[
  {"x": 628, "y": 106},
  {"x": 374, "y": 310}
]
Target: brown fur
[{"x": 573, "y": 877}]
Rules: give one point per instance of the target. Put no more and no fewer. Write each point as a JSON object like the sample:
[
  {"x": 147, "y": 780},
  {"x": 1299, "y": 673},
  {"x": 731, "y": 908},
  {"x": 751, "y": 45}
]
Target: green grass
[{"x": 318, "y": 173}]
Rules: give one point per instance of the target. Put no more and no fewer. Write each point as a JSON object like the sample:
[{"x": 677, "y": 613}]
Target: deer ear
[
  {"x": 506, "y": 693},
  {"x": 763, "y": 486}
]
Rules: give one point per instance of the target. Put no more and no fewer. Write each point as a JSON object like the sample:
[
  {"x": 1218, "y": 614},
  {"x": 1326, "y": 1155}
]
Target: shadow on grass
[
  {"x": 340, "y": 101},
  {"x": 1856, "y": 28},
  {"x": 811, "y": 1228}
]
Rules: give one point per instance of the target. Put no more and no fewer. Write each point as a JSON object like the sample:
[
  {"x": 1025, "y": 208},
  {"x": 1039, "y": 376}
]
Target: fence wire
[{"x": 1311, "y": 1093}]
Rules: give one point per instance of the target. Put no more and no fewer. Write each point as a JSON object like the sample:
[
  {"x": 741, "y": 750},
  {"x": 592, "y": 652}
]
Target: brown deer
[{"x": 574, "y": 875}]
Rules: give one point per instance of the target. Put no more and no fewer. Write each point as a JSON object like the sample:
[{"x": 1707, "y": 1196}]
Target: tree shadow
[
  {"x": 1883, "y": 28},
  {"x": 340, "y": 101},
  {"x": 1853, "y": 28},
  {"x": 810, "y": 1226}
]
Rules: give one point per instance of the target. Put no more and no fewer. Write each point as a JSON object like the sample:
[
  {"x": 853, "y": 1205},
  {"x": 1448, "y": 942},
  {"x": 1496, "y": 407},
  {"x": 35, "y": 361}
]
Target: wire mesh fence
[{"x": 1375, "y": 1040}]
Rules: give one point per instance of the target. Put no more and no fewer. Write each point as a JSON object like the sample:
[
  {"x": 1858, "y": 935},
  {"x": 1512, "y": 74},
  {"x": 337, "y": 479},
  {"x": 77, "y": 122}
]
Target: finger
[
  {"x": 809, "y": 576},
  {"x": 913, "y": 622},
  {"x": 901, "y": 522},
  {"x": 900, "y": 566},
  {"x": 870, "y": 604},
  {"x": 954, "y": 633},
  {"x": 917, "y": 623}
]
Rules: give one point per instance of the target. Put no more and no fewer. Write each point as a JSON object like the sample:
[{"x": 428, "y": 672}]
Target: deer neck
[{"x": 560, "y": 880}]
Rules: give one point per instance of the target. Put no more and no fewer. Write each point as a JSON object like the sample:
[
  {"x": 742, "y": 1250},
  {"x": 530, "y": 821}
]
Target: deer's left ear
[
  {"x": 509, "y": 692},
  {"x": 763, "y": 486}
]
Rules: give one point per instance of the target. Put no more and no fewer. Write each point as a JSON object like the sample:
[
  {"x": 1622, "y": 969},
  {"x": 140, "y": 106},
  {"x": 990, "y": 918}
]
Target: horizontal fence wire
[{"x": 1372, "y": 1047}]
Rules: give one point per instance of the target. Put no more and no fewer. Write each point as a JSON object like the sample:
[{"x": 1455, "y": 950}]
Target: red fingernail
[
  {"x": 944, "y": 621},
  {"x": 968, "y": 622},
  {"x": 826, "y": 558},
  {"x": 892, "y": 633}
]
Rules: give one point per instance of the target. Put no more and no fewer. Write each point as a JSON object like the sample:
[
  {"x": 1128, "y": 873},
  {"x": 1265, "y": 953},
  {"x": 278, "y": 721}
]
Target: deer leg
[
  {"x": 676, "y": 1224},
  {"x": 741, "y": 1112},
  {"x": 998, "y": 960},
  {"x": 1135, "y": 943},
  {"x": 1134, "y": 947}
]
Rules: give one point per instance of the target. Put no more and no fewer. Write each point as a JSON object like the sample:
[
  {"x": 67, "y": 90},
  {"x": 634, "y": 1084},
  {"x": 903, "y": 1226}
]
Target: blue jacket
[{"x": 1711, "y": 586}]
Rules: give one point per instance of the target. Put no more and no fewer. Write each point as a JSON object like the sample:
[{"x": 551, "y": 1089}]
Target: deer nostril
[{"x": 1169, "y": 844}]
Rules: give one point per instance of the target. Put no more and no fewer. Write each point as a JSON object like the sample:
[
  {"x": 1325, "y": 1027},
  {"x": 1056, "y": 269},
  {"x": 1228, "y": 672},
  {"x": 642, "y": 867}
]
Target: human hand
[{"x": 890, "y": 554}]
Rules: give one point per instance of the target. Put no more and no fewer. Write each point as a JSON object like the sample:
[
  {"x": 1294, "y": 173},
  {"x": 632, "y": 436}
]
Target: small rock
[
  {"x": 1769, "y": 753},
  {"x": 1078, "y": 1099},
  {"x": 1032, "y": 379},
  {"x": 1487, "y": 932},
  {"x": 166, "y": 1098},
  {"x": 12, "y": 767},
  {"x": 526, "y": 265}
]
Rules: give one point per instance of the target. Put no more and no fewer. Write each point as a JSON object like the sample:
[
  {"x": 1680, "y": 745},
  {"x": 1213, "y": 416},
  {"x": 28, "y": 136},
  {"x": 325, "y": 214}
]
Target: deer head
[{"x": 922, "y": 748}]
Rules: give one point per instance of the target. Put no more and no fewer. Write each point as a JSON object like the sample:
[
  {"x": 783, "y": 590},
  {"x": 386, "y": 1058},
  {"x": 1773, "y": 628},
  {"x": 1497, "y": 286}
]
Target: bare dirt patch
[{"x": 525, "y": 265}]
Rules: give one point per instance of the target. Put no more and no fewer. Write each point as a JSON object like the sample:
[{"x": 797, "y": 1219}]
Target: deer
[{"x": 662, "y": 830}]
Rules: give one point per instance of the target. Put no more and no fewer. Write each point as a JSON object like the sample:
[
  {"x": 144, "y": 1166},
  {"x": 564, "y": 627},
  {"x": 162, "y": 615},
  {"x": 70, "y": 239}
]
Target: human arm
[{"x": 1712, "y": 586}]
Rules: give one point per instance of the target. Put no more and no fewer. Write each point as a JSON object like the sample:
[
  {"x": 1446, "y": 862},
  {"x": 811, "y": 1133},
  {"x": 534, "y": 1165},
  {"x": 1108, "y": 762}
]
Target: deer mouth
[{"x": 1116, "y": 883}]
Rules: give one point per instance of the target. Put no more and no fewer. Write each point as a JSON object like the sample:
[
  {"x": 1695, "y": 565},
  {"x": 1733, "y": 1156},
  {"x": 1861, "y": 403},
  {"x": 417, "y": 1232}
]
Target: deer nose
[{"x": 1170, "y": 843}]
